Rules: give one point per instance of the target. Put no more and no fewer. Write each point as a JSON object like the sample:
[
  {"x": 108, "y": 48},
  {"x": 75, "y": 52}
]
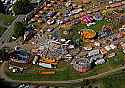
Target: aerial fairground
[{"x": 63, "y": 43}]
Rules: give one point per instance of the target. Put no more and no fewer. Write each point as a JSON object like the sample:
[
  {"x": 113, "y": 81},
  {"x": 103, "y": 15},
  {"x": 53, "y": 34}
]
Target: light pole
[{"x": 38, "y": 1}]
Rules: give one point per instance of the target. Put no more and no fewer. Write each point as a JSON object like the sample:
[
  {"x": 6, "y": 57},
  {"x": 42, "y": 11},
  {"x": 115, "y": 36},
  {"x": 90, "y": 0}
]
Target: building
[
  {"x": 97, "y": 57},
  {"x": 20, "y": 56},
  {"x": 103, "y": 51},
  {"x": 100, "y": 61},
  {"x": 85, "y": 1},
  {"x": 7, "y": 2},
  {"x": 86, "y": 19},
  {"x": 112, "y": 46},
  {"x": 97, "y": 44},
  {"x": 93, "y": 52},
  {"x": 29, "y": 33},
  {"x": 82, "y": 65},
  {"x": 116, "y": 4},
  {"x": 108, "y": 48},
  {"x": 47, "y": 62},
  {"x": 104, "y": 34},
  {"x": 8, "y": 5},
  {"x": 89, "y": 47},
  {"x": 122, "y": 45},
  {"x": 97, "y": 16},
  {"x": 111, "y": 55},
  {"x": 88, "y": 33}
]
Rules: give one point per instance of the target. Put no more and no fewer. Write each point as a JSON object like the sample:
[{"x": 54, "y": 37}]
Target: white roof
[
  {"x": 96, "y": 43},
  {"x": 111, "y": 55},
  {"x": 32, "y": 19},
  {"x": 63, "y": 40},
  {"x": 100, "y": 61},
  {"x": 112, "y": 46},
  {"x": 36, "y": 15},
  {"x": 107, "y": 48},
  {"x": 45, "y": 65},
  {"x": 93, "y": 52},
  {"x": 68, "y": 41},
  {"x": 87, "y": 48},
  {"x": 123, "y": 50},
  {"x": 68, "y": 55},
  {"x": 71, "y": 46},
  {"x": 14, "y": 70},
  {"x": 123, "y": 45},
  {"x": 65, "y": 44}
]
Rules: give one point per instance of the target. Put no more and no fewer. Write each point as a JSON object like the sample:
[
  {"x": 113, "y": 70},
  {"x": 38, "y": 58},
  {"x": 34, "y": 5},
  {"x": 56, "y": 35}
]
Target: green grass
[
  {"x": 114, "y": 81},
  {"x": 97, "y": 27},
  {"x": 6, "y": 20},
  {"x": 2, "y": 29},
  {"x": 60, "y": 75},
  {"x": 112, "y": 63},
  {"x": 66, "y": 72}
]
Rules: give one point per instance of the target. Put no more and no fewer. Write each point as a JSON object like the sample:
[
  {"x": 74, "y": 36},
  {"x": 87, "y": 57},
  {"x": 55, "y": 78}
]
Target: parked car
[{"x": 24, "y": 86}]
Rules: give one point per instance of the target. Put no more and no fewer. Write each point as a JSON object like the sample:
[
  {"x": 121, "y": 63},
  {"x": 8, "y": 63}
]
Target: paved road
[
  {"x": 106, "y": 73},
  {"x": 9, "y": 32},
  {"x": 2, "y": 25},
  {"x": 2, "y": 72},
  {"x": 3, "y": 75},
  {"x": 18, "y": 42}
]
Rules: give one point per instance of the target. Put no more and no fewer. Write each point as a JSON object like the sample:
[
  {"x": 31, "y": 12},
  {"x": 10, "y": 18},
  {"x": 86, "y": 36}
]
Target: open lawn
[{"x": 6, "y": 20}]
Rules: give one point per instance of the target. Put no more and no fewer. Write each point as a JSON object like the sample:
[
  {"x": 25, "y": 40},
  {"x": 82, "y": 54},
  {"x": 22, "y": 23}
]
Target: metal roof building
[{"x": 82, "y": 65}]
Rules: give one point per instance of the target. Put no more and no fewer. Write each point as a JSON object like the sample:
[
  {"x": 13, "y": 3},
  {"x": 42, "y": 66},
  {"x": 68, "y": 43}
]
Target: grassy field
[
  {"x": 97, "y": 27},
  {"x": 2, "y": 29},
  {"x": 66, "y": 72},
  {"x": 6, "y": 20},
  {"x": 114, "y": 81}
]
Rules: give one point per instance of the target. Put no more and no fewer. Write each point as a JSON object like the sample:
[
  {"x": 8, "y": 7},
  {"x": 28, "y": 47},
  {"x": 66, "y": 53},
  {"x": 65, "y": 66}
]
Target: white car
[
  {"x": 91, "y": 24},
  {"x": 1, "y": 61},
  {"x": 10, "y": 67},
  {"x": 101, "y": 61},
  {"x": 50, "y": 21},
  {"x": 21, "y": 86},
  {"x": 14, "y": 70},
  {"x": 27, "y": 86}
]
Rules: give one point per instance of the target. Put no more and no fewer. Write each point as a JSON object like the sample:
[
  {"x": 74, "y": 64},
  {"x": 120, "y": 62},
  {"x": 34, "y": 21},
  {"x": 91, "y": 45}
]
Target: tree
[
  {"x": 75, "y": 37},
  {"x": 22, "y": 7},
  {"x": 2, "y": 8},
  {"x": 4, "y": 53},
  {"x": 18, "y": 29},
  {"x": 5, "y": 84}
]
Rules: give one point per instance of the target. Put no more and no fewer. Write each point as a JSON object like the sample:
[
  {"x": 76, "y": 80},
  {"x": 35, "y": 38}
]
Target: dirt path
[{"x": 106, "y": 73}]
